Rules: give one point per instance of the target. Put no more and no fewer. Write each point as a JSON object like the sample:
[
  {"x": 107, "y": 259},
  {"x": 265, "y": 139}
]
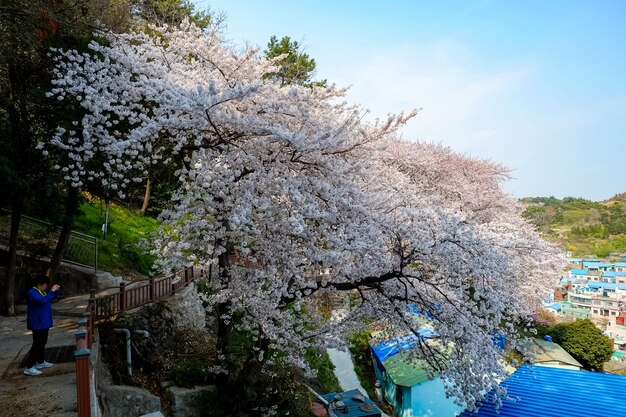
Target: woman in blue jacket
[{"x": 39, "y": 320}]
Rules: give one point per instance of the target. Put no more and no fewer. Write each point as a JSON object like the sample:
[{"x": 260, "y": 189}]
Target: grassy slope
[
  {"x": 119, "y": 250},
  {"x": 584, "y": 227}
]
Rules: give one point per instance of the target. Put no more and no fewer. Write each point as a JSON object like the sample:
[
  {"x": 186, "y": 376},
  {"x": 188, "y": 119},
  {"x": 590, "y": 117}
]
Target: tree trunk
[
  {"x": 223, "y": 328},
  {"x": 18, "y": 132},
  {"x": 146, "y": 197},
  {"x": 71, "y": 204},
  {"x": 9, "y": 285}
]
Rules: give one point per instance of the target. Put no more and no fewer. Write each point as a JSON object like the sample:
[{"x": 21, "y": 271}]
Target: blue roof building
[
  {"x": 351, "y": 404},
  {"x": 555, "y": 392},
  {"x": 578, "y": 272},
  {"x": 602, "y": 266},
  {"x": 406, "y": 381}
]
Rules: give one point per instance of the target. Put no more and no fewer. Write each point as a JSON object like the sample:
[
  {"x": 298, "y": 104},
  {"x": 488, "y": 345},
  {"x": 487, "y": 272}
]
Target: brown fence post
[
  {"x": 83, "y": 391},
  {"x": 173, "y": 287},
  {"x": 152, "y": 289},
  {"x": 122, "y": 305},
  {"x": 92, "y": 303},
  {"x": 85, "y": 324},
  {"x": 186, "y": 275}
]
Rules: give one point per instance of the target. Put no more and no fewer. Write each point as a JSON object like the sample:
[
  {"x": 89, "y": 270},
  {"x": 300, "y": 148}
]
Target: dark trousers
[{"x": 37, "y": 350}]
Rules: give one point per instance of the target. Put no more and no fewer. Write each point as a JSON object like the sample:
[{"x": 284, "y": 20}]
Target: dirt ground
[{"x": 52, "y": 394}]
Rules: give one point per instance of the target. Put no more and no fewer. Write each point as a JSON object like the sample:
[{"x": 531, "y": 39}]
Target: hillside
[{"x": 583, "y": 227}]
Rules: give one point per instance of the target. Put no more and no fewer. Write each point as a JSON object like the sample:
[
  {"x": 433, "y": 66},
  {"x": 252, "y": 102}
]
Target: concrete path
[
  {"x": 53, "y": 393},
  {"x": 344, "y": 370}
]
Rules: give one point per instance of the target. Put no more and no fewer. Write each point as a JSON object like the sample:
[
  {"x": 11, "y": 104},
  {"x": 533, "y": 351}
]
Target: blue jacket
[{"x": 39, "y": 316}]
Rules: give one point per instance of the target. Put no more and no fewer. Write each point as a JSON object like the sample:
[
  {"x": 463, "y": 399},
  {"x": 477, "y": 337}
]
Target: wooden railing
[
  {"x": 107, "y": 305},
  {"x": 126, "y": 297}
]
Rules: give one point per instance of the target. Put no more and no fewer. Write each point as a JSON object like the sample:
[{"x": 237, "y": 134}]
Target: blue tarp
[
  {"x": 389, "y": 348},
  {"x": 499, "y": 340},
  {"x": 413, "y": 308}
]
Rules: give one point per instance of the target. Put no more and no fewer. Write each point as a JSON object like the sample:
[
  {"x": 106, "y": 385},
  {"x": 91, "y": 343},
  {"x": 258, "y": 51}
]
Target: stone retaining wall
[{"x": 161, "y": 320}]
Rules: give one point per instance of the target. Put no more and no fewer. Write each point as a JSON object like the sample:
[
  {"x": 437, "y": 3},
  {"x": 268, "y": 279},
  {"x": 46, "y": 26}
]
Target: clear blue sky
[{"x": 539, "y": 86}]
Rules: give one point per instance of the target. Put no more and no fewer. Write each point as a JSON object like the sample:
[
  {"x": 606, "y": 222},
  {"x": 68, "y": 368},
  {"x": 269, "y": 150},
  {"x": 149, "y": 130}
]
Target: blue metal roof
[
  {"x": 356, "y": 407},
  {"x": 596, "y": 264},
  {"x": 578, "y": 272},
  {"x": 554, "y": 306},
  {"x": 613, "y": 274},
  {"x": 542, "y": 391},
  {"x": 605, "y": 285}
]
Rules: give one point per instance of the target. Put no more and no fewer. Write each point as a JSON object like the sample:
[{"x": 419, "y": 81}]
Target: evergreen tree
[
  {"x": 294, "y": 66},
  {"x": 171, "y": 12}
]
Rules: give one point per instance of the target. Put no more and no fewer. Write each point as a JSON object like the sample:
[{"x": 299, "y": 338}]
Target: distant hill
[
  {"x": 584, "y": 227},
  {"x": 618, "y": 197}
]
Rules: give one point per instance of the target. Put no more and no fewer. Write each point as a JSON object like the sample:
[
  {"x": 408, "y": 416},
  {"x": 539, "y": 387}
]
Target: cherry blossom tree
[{"x": 288, "y": 194}]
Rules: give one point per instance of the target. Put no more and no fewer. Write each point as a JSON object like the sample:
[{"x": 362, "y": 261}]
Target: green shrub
[
  {"x": 189, "y": 374},
  {"x": 584, "y": 341},
  {"x": 362, "y": 357},
  {"x": 320, "y": 361}
]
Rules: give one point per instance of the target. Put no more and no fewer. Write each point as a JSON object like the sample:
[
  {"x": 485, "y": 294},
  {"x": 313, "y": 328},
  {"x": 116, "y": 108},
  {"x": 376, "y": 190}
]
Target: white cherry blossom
[{"x": 281, "y": 184}]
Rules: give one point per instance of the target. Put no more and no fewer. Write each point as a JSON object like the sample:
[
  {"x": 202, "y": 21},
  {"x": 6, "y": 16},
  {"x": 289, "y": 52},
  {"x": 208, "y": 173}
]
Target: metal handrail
[{"x": 91, "y": 241}]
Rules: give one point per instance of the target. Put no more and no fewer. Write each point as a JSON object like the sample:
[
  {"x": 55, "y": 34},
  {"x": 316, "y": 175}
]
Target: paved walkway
[
  {"x": 54, "y": 392},
  {"x": 344, "y": 370}
]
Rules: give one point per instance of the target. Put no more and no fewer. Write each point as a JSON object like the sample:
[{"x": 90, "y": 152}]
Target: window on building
[
  {"x": 612, "y": 313},
  {"x": 595, "y": 311}
]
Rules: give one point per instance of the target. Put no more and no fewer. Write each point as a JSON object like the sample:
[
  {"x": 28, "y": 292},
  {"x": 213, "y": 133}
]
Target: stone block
[
  {"x": 106, "y": 279},
  {"x": 125, "y": 401},
  {"x": 184, "y": 400},
  {"x": 186, "y": 309}
]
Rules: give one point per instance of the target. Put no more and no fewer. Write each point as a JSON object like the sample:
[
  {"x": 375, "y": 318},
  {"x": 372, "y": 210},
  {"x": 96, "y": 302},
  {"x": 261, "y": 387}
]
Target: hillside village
[{"x": 595, "y": 290}]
